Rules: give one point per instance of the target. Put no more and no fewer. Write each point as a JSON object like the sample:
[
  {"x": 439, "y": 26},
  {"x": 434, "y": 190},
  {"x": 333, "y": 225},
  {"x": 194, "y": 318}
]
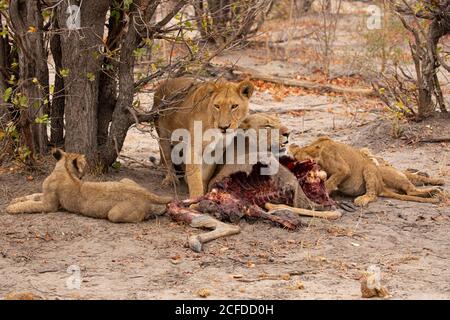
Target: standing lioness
[
  {"x": 180, "y": 102},
  {"x": 121, "y": 201}
]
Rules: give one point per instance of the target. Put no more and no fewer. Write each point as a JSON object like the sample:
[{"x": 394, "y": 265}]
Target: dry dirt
[{"x": 408, "y": 241}]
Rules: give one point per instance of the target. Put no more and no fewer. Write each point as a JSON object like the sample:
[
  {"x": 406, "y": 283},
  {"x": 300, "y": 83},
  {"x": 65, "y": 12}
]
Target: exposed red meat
[{"x": 240, "y": 195}]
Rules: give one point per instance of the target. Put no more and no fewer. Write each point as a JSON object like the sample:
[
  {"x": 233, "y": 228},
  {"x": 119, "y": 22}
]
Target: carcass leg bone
[
  {"x": 331, "y": 215},
  {"x": 220, "y": 229},
  {"x": 198, "y": 220}
]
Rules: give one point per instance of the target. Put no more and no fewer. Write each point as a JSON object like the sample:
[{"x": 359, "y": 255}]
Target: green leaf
[
  {"x": 116, "y": 165},
  {"x": 91, "y": 76},
  {"x": 115, "y": 14},
  {"x": 7, "y": 94},
  {"x": 126, "y": 4},
  {"x": 64, "y": 72},
  {"x": 4, "y": 32},
  {"x": 44, "y": 119},
  {"x": 47, "y": 13},
  {"x": 12, "y": 79},
  {"x": 139, "y": 52},
  {"x": 3, "y": 5},
  {"x": 20, "y": 100}
]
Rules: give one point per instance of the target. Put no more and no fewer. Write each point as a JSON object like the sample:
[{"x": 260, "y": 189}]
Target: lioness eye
[
  {"x": 216, "y": 106},
  {"x": 234, "y": 106}
]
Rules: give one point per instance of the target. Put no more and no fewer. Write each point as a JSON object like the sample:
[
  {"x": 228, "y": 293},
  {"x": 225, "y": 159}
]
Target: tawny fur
[
  {"x": 122, "y": 201},
  {"x": 355, "y": 172},
  {"x": 254, "y": 121},
  {"x": 267, "y": 121},
  {"x": 283, "y": 176},
  {"x": 181, "y": 101}
]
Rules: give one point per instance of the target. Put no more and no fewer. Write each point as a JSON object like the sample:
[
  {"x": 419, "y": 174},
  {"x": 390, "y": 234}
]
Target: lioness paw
[
  {"x": 362, "y": 201},
  {"x": 13, "y": 209}
]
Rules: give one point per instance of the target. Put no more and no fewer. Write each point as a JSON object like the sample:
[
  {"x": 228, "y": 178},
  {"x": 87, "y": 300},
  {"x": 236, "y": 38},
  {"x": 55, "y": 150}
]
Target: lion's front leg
[
  {"x": 340, "y": 171},
  {"x": 47, "y": 203},
  {"x": 34, "y": 197},
  {"x": 166, "y": 158},
  {"x": 194, "y": 180},
  {"x": 373, "y": 187}
]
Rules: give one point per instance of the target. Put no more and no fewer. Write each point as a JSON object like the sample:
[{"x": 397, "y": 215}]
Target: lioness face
[
  {"x": 305, "y": 153},
  {"x": 229, "y": 104},
  {"x": 267, "y": 121},
  {"x": 75, "y": 163}
]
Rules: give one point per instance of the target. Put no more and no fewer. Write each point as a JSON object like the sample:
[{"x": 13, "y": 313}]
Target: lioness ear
[
  {"x": 57, "y": 153},
  {"x": 204, "y": 92},
  {"x": 246, "y": 88},
  {"x": 244, "y": 124},
  {"x": 79, "y": 164}
]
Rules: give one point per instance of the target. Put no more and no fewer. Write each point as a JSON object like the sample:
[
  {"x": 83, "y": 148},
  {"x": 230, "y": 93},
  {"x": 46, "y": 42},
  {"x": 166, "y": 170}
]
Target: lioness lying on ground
[
  {"x": 180, "y": 102},
  {"x": 356, "y": 172},
  {"x": 123, "y": 201}
]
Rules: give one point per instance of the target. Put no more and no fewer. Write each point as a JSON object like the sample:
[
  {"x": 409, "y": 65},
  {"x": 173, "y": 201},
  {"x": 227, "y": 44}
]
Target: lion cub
[
  {"x": 184, "y": 103},
  {"x": 357, "y": 173},
  {"x": 122, "y": 201}
]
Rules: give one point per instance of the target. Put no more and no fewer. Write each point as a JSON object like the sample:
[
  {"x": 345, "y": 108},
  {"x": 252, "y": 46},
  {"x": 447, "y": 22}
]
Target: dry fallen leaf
[
  {"x": 203, "y": 293},
  {"x": 22, "y": 296},
  {"x": 175, "y": 259},
  {"x": 371, "y": 288},
  {"x": 298, "y": 285},
  {"x": 286, "y": 276}
]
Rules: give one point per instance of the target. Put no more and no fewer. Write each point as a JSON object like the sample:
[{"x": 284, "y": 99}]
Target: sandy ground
[{"x": 408, "y": 241}]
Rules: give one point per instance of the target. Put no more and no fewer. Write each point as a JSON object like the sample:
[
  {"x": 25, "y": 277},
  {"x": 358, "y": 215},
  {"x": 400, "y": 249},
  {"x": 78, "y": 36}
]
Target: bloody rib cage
[{"x": 245, "y": 195}]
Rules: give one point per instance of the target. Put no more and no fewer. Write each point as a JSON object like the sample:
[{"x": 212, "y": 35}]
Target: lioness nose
[
  {"x": 286, "y": 134},
  {"x": 224, "y": 128}
]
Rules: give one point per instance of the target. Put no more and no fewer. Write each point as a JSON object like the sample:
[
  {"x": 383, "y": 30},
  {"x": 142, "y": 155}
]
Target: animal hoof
[
  {"x": 195, "y": 244},
  {"x": 347, "y": 206}
]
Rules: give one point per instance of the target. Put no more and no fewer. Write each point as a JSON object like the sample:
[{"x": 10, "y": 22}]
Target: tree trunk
[
  {"x": 26, "y": 15},
  {"x": 107, "y": 96},
  {"x": 121, "y": 118},
  {"x": 4, "y": 52},
  {"x": 57, "y": 108},
  {"x": 436, "y": 30},
  {"x": 82, "y": 59}
]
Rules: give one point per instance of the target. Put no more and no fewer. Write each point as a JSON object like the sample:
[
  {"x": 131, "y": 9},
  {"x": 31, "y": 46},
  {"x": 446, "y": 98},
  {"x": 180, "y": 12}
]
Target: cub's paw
[
  {"x": 13, "y": 208},
  {"x": 362, "y": 201}
]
